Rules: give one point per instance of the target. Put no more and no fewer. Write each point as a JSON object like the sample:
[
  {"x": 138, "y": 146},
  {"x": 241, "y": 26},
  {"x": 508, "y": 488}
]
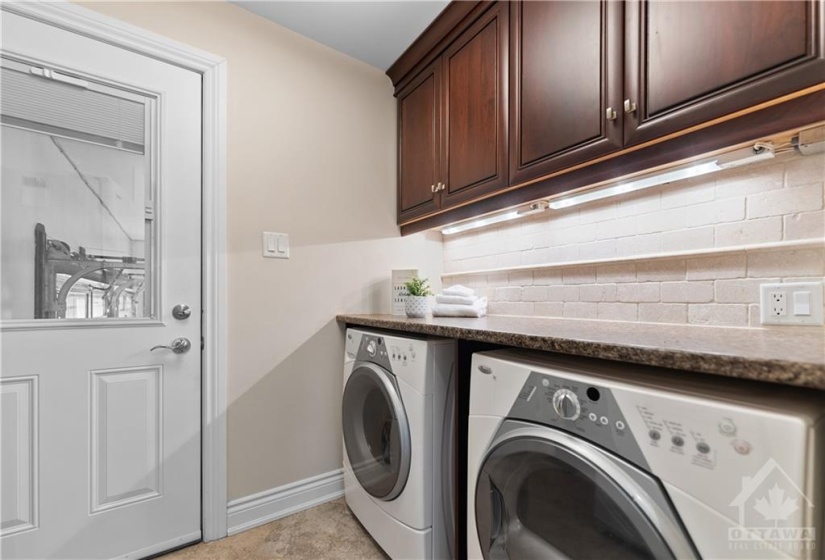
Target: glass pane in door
[{"x": 76, "y": 210}]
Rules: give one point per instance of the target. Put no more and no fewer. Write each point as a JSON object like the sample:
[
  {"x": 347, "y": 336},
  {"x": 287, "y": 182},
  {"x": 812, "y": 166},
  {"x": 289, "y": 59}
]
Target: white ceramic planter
[{"x": 416, "y": 306}]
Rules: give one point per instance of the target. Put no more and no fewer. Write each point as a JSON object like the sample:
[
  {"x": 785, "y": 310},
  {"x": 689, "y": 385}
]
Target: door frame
[{"x": 213, "y": 69}]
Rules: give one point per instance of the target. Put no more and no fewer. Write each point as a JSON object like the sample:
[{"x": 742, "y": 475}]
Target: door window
[
  {"x": 376, "y": 432},
  {"x": 536, "y": 499},
  {"x": 77, "y": 209}
]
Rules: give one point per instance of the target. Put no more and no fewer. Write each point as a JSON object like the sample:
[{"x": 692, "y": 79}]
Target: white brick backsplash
[
  {"x": 598, "y": 292},
  {"x": 545, "y": 277},
  {"x": 618, "y": 311},
  {"x": 635, "y": 293},
  {"x": 581, "y": 310},
  {"x": 763, "y": 230},
  {"x": 721, "y": 314},
  {"x": 786, "y": 201},
  {"x": 663, "y": 312},
  {"x": 639, "y": 245},
  {"x": 551, "y": 309},
  {"x": 520, "y": 278},
  {"x": 507, "y": 294},
  {"x": 808, "y": 262},
  {"x": 687, "y": 292},
  {"x": 655, "y": 271},
  {"x": 688, "y": 239},
  {"x": 783, "y": 199},
  {"x": 740, "y": 290},
  {"x": 809, "y": 225},
  {"x": 580, "y": 275},
  {"x": 534, "y": 293},
  {"x": 716, "y": 212},
  {"x": 510, "y": 308},
  {"x": 709, "y": 268},
  {"x": 622, "y": 272},
  {"x": 664, "y": 220},
  {"x": 563, "y": 293}
]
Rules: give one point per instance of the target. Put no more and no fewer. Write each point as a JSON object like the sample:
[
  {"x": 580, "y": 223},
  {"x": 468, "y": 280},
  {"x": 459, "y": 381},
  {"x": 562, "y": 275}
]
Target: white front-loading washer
[
  {"x": 578, "y": 458},
  {"x": 397, "y": 420}
]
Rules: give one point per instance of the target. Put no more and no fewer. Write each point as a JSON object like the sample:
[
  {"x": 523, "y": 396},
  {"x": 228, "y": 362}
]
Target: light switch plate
[
  {"x": 275, "y": 245},
  {"x": 792, "y": 303}
]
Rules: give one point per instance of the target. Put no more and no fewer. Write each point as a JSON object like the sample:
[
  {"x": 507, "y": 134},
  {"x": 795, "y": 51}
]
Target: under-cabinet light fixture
[
  {"x": 758, "y": 152},
  {"x": 533, "y": 208}
]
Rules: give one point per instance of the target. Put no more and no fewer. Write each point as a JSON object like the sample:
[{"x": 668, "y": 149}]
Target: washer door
[
  {"x": 376, "y": 431},
  {"x": 544, "y": 494}
]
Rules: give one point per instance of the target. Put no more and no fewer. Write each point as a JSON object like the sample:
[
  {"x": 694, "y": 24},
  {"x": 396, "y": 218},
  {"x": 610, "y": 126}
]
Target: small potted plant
[{"x": 416, "y": 304}]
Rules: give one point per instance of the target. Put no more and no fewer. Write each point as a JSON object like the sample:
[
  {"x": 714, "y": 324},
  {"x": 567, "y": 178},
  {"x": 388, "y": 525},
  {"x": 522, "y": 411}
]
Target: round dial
[
  {"x": 566, "y": 404},
  {"x": 371, "y": 348}
]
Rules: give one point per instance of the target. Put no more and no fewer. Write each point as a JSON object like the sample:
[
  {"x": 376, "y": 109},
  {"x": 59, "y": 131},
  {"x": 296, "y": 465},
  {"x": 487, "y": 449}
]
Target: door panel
[
  {"x": 692, "y": 62},
  {"x": 565, "y": 74},
  {"x": 475, "y": 77},
  {"x": 419, "y": 143},
  {"x": 116, "y": 466}
]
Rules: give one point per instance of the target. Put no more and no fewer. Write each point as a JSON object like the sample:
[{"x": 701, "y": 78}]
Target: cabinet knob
[
  {"x": 610, "y": 114},
  {"x": 629, "y": 107}
]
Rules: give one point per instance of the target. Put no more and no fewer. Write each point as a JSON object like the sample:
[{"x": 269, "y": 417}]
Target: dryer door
[
  {"x": 544, "y": 494},
  {"x": 376, "y": 431}
]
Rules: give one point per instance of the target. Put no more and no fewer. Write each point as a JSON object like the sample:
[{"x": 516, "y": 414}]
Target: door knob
[
  {"x": 181, "y": 311},
  {"x": 178, "y": 346}
]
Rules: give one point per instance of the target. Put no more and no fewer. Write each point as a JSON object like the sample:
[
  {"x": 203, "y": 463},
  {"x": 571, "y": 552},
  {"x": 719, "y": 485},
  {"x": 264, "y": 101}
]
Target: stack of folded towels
[{"x": 459, "y": 301}]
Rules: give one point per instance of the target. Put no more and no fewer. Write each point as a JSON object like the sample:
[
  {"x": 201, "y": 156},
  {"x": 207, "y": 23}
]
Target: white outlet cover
[{"x": 810, "y": 292}]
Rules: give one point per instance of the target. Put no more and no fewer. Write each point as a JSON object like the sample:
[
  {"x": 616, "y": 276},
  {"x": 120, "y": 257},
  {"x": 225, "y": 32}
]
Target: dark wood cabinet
[
  {"x": 452, "y": 121},
  {"x": 691, "y": 62},
  {"x": 475, "y": 110},
  {"x": 419, "y": 142},
  {"x": 566, "y": 84}
]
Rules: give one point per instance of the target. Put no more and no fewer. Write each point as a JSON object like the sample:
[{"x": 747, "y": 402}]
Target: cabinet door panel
[
  {"x": 419, "y": 131},
  {"x": 692, "y": 62},
  {"x": 566, "y": 72},
  {"x": 475, "y": 71}
]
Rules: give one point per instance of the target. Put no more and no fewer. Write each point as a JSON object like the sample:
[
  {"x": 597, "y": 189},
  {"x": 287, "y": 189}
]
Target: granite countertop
[{"x": 791, "y": 356}]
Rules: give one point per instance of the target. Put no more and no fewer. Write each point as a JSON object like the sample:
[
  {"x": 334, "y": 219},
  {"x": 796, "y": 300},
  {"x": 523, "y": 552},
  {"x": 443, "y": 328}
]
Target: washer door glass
[
  {"x": 538, "y": 499},
  {"x": 376, "y": 431}
]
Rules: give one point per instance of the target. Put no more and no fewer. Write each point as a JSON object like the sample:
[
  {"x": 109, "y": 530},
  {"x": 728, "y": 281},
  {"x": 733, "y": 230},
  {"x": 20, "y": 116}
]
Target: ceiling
[{"x": 376, "y": 32}]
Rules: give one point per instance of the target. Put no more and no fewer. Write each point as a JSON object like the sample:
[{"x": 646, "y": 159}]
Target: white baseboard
[{"x": 269, "y": 505}]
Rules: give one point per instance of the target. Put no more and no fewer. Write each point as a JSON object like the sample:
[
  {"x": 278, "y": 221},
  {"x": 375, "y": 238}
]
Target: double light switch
[{"x": 276, "y": 245}]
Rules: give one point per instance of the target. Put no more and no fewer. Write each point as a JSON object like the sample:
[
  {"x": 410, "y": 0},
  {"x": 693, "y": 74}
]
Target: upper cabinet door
[
  {"x": 419, "y": 143},
  {"x": 565, "y": 84},
  {"x": 692, "y": 62},
  {"x": 475, "y": 109}
]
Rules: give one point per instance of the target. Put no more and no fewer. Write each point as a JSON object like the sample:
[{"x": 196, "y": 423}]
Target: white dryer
[
  {"x": 577, "y": 458},
  {"x": 397, "y": 420}
]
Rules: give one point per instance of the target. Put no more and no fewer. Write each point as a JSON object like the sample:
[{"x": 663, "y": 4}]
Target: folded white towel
[
  {"x": 459, "y": 290},
  {"x": 456, "y": 300},
  {"x": 450, "y": 310}
]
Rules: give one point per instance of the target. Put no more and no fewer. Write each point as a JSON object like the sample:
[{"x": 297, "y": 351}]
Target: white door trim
[{"x": 213, "y": 69}]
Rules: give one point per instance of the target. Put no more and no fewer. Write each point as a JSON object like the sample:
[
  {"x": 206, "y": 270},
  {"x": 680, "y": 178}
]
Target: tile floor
[{"x": 325, "y": 532}]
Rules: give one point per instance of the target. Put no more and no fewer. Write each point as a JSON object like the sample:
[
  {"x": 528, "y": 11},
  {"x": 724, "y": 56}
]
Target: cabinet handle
[
  {"x": 610, "y": 114},
  {"x": 432, "y": 189},
  {"x": 441, "y": 186},
  {"x": 629, "y": 107}
]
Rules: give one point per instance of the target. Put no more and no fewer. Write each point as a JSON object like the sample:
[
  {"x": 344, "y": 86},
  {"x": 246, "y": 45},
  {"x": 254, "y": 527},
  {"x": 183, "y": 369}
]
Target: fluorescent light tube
[
  {"x": 533, "y": 208},
  {"x": 758, "y": 152}
]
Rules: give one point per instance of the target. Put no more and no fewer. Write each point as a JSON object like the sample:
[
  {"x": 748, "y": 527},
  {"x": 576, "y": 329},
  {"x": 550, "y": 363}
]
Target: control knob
[
  {"x": 566, "y": 404},
  {"x": 371, "y": 348}
]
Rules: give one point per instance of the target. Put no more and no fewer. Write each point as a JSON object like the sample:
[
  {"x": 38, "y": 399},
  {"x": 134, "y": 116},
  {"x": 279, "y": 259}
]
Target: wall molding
[
  {"x": 711, "y": 252},
  {"x": 269, "y": 505}
]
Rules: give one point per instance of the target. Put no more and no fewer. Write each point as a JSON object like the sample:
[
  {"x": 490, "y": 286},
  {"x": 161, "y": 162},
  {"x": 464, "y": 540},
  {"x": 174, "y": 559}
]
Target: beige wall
[
  {"x": 311, "y": 150},
  {"x": 609, "y": 259}
]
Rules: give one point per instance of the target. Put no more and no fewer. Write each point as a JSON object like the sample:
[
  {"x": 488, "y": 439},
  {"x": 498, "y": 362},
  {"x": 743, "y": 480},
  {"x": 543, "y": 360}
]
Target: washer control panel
[
  {"x": 373, "y": 349},
  {"x": 586, "y": 410}
]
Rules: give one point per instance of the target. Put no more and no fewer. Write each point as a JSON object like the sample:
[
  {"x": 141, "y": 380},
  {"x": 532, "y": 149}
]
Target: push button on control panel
[
  {"x": 703, "y": 448},
  {"x": 655, "y": 435},
  {"x": 727, "y": 427},
  {"x": 678, "y": 441},
  {"x": 741, "y": 446}
]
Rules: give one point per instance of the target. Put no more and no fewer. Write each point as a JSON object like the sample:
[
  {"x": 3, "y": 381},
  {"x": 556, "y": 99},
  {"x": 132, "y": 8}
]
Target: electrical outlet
[
  {"x": 793, "y": 303},
  {"x": 777, "y": 304}
]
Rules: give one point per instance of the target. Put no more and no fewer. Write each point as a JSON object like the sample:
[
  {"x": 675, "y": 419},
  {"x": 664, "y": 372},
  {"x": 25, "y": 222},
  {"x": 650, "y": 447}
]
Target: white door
[{"x": 100, "y": 231}]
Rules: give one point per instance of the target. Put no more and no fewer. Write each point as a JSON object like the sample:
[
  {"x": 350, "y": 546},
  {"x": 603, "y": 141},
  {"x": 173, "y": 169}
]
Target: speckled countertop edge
[{"x": 697, "y": 353}]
